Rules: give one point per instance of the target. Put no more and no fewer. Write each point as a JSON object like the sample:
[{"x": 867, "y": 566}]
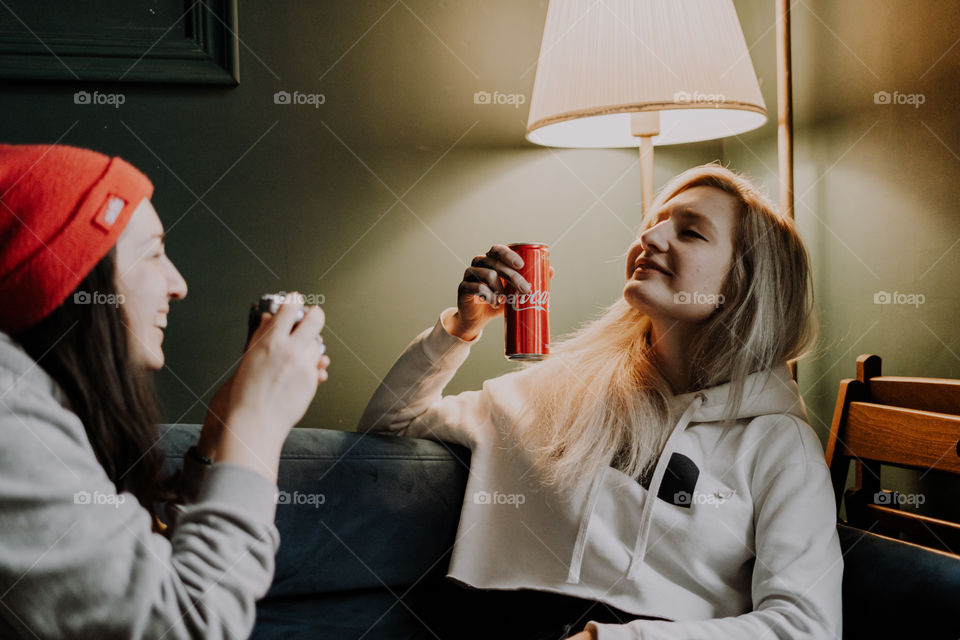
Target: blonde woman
[{"x": 659, "y": 466}]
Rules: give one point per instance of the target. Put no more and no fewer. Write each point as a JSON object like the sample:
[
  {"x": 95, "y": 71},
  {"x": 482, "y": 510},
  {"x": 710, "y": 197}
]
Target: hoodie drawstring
[
  {"x": 576, "y": 561},
  {"x": 646, "y": 516},
  {"x": 573, "y": 576}
]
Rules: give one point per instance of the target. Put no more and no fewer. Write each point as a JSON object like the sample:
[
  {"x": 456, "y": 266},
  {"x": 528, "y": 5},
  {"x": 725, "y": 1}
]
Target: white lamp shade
[{"x": 601, "y": 60}]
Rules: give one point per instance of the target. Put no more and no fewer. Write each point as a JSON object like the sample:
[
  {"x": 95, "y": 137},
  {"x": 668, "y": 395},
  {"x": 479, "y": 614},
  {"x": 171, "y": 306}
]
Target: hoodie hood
[{"x": 764, "y": 393}]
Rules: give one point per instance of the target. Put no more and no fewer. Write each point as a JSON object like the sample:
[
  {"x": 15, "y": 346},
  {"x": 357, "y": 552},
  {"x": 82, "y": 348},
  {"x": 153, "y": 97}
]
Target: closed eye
[{"x": 692, "y": 233}]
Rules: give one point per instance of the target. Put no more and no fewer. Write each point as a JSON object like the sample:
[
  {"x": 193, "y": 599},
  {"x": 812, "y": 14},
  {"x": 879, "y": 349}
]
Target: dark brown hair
[{"x": 85, "y": 349}]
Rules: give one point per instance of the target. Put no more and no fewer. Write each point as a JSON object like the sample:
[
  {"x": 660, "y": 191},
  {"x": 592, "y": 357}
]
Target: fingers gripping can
[{"x": 527, "y": 315}]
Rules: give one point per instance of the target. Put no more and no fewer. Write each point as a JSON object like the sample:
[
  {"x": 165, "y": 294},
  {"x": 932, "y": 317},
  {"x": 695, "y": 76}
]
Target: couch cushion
[
  {"x": 357, "y": 511},
  {"x": 896, "y": 589}
]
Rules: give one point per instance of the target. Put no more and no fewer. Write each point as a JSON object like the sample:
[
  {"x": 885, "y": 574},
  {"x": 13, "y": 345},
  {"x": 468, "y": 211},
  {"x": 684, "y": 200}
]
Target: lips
[
  {"x": 160, "y": 321},
  {"x": 652, "y": 265}
]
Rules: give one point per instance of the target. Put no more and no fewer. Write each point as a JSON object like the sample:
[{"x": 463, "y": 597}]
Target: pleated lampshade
[{"x": 602, "y": 60}]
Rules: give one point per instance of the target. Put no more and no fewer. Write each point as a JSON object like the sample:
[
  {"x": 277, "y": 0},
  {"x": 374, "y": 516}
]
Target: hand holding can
[{"x": 483, "y": 293}]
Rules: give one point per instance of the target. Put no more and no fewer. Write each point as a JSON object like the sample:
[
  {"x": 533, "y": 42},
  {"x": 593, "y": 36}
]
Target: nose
[
  {"x": 176, "y": 285},
  {"x": 657, "y": 237}
]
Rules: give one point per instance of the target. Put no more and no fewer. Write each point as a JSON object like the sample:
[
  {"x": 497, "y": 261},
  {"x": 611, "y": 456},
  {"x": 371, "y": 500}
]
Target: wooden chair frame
[{"x": 911, "y": 423}]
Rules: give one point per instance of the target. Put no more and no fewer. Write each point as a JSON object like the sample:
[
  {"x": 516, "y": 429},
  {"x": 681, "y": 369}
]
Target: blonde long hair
[{"x": 601, "y": 400}]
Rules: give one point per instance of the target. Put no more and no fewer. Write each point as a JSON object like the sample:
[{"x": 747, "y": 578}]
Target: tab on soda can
[{"x": 527, "y": 315}]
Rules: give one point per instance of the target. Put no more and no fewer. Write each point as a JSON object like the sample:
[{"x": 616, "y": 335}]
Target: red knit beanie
[{"x": 61, "y": 210}]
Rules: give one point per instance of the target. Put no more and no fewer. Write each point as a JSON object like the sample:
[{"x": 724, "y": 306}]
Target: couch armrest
[{"x": 357, "y": 511}]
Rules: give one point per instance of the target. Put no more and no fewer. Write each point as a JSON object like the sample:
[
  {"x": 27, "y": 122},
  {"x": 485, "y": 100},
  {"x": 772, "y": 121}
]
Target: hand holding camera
[
  {"x": 269, "y": 303},
  {"x": 270, "y": 391}
]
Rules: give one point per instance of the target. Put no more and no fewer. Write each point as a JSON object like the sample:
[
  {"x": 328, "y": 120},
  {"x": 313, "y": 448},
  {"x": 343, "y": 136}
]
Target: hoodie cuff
[
  {"x": 241, "y": 489},
  {"x": 612, "y": 631},
  {"x": 440, "y": 344}
]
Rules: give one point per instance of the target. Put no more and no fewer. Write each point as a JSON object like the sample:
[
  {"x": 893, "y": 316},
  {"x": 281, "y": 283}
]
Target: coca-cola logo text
[{"x": 539, "y": 300}]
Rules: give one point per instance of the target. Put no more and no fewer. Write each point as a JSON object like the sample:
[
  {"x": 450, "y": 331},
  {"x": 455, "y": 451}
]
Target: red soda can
[{"x": 527, "y": 315}]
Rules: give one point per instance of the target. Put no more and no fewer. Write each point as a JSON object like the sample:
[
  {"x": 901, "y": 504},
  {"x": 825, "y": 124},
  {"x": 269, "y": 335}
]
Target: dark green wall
[{"x": 376, "y": 200}]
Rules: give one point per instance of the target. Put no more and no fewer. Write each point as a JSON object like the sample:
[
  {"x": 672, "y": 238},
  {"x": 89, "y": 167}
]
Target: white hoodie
[{"x": 741, "y": 541}]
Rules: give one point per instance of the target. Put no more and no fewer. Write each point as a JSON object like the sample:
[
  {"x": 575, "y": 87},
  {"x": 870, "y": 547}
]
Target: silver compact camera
[{"x": 269, "y": 303}]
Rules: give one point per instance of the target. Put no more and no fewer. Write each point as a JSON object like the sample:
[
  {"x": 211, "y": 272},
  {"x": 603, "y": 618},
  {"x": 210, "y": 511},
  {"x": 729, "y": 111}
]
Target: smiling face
[
  {"x": 675, "y": 269},
  {"x": 147, "y": 280}
]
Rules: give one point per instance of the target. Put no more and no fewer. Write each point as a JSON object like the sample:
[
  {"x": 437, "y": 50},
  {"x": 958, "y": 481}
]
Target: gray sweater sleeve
[
  {"x": 192, "y": 477},
  {"x": 78, "y": 560}
]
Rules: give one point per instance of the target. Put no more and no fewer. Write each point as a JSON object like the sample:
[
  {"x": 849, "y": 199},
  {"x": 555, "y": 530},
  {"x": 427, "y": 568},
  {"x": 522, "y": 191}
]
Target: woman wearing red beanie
[{"x": 86, "y": 288}]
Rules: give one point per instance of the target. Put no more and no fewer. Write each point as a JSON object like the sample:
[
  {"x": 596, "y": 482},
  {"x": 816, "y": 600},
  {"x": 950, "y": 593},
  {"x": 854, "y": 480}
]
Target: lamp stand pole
[
  {"x": 645, "y": 125},
  {"x": 784, "y": 108},
  {"x": 785, "y": 121}
]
